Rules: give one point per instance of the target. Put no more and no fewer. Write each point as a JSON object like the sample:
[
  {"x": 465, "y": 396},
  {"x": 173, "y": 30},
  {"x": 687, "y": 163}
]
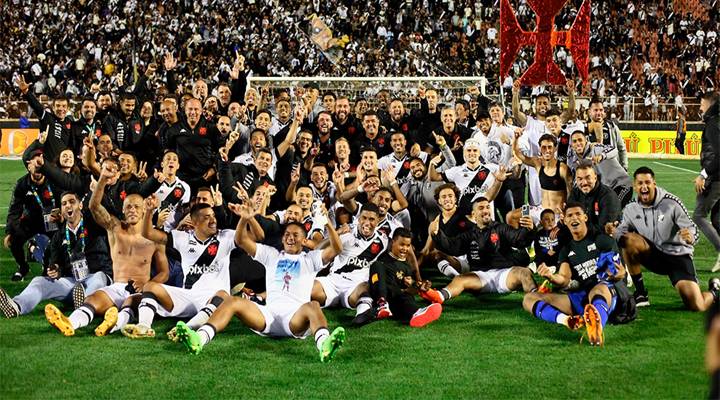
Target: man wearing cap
[
  {"x": 473, "y": 178},
  {"x": 34, "y": 208}
]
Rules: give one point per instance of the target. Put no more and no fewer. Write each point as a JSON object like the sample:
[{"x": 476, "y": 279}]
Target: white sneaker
[{"x": 716, "y": 267}]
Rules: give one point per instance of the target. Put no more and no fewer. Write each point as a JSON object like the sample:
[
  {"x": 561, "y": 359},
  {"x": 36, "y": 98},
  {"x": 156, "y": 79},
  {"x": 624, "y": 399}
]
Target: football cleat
[
  {"x": 189, "y": 338},
  {"x": 575, "y": 322},
  {"x": 365, "y": 317},
  {"x": 714, "y": 287},
  {"x": 172, "y": 335},
  {"x": 432, "y": 296},
  {"x": 78, "y": 295},
  {"x": 641, "y": 299},
  {"x": 426, "y": 315},
  {"x": 109, "y": 321},
  {"x": 138, "y": 331},
  {"x": 8, "y": 306},
  {"x": 594, "y": 327},
  {"x": 331, "y": 344},
  {"x": 383, "y": 311},
  {"x": 545, "y": 287},
  {"x": 58, "y": 320}
]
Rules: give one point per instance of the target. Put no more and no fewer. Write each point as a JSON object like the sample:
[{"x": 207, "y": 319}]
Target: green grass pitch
[{"x": 482, "y": 347}]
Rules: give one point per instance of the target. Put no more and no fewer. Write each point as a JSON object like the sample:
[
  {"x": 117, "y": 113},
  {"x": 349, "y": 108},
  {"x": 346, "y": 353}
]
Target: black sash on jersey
[
  {"x": 472, "y": 189},
  {"x": 173, "y": 198},
  {"x": 403, "y": 175},
  {"x": 205, "y": 260},
  {"x": 365, "y": 258}
]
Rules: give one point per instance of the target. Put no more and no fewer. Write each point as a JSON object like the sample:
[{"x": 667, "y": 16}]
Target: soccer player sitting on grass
[
  {"x": 205, "y": 255},
  {"x": 289, "y": 277},
  {"x": 131, "y": 256},
  {"x": 392, "y": 285},
  {"x": 591, "y": 259},
  {"x": 656, "y": 231},
  {"x": 495, "y": 266}
]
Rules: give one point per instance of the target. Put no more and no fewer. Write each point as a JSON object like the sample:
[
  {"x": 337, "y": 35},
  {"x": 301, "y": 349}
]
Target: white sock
[
  {"x": 320, "y": 336},
  {"x": 364, "y": 303},
  {"x": 124, "y": 317},
  {"x": 207, "y": 333},
  {"x": 146, "y": 311},
  {"x": 447, "y": 269},
  {"x": 561, "y": 319},
  {"x": 81, "y": 317},
  {"x": 201, "y": 317}
]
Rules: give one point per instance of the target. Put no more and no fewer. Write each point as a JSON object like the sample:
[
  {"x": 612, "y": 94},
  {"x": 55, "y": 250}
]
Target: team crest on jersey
[
  {"x": 351, "y": 130},
  {"x": 482, "y": 175},
  {"x": 203, "y": 131},
  {"x": 98, "y": 133},
  {"x": 381, "y": 142},
  {"x": 404, "y": 127},
  {"x": 375, "y": 248},
  {"x": 137, "y": 127},
  {"x": 212, "y": 249},
  {"x": 123, "y": 195},
  {"x": 46, "y": 194},
  {"x": 67, "y": 125},
  {"x": 406, "y": 165},
  {"x": 177, "y": 193},
  {"x": 308, "y": 225},
  {"x": 494, "y": 238}
]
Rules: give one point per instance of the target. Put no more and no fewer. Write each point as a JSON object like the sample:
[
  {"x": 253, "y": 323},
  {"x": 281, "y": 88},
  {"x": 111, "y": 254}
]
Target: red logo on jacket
[
  {"x": 203, "y": 131},
  {"x": 494, "y": 238},
  {"x": 137, "y": 127}
]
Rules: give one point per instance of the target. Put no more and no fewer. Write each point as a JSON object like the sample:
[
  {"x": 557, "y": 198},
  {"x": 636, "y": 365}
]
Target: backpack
[{"x": 625, "y": 309}]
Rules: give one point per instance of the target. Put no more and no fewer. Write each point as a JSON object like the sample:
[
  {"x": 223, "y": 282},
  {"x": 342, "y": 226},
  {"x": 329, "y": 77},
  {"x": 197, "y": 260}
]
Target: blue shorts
[{"x": 579, "y": 299}]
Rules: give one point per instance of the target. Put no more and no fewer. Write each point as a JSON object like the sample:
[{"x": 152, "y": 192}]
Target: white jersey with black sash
[{"x": 205, "y": 263}]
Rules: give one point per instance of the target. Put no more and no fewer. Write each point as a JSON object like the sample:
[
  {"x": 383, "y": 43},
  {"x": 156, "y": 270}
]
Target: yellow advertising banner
[
  {"x": 660, "y": 142},
  {"x": 15, "y": 141}
]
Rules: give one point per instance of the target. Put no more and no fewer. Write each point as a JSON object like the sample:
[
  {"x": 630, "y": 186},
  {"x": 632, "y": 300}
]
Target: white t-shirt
[
  {"x": 289, "y": 278},
  {"x": 206, "y": 263}
]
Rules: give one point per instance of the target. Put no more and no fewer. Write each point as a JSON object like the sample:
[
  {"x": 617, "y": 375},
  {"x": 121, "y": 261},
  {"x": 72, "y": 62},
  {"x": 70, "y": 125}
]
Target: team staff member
[{"x": 656, "y": 231}]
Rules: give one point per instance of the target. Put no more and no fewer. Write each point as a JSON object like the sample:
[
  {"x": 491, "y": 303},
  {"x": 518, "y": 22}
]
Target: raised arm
[
  {"x": 432, "y": 171},
  {"x": 518, "y": 116},
  {"x": 242, "y": 239},
  {"x": 292, "y": 133},
  {"x": 99, "y": 213},
  {"x": 570, "y": 112},
  {"x": 335, "y": 247},
  {"x": 527, "y": 160},
  {"x": 148, "y": 231}
]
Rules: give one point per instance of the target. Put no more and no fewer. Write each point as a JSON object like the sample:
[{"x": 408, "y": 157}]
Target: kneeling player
[
  {"x": 392, "y": 286},
  {"x": 289, "y": 279},
  {"x": 584, "y": 261},
  {"x": 663, "y": 243}
]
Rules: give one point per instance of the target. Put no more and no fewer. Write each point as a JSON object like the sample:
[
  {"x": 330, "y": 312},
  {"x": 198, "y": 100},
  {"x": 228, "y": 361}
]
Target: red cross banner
[{"x": 544, "y": 38}]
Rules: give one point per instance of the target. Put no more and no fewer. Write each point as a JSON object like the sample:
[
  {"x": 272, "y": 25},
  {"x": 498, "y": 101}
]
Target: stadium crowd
[
  {"x": 652, "y": 53},
  {"x": 224, "y": 201}
]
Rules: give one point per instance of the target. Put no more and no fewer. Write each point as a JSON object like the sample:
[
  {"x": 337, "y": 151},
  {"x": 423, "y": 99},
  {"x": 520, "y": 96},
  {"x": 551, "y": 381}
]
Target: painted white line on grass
[{"x": 674, "y": 167}]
